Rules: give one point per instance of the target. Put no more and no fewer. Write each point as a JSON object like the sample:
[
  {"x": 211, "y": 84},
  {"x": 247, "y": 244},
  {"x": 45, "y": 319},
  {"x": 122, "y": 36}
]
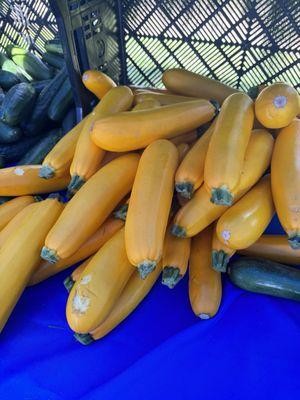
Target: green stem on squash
[
  {"x": 178, "y": 231},
  {"x": 121, "y": 212},
  {"x": 74, "y": 185},
  {"x": 185, "y": 189},
  {"x": 220, "y": 260},
  {"x": 46, "y": 172},
  {"x": 171, "y": 276},
  {"x": 221, "y": 197},
  {"x": 69, "y": 283},
  {"x": 145, "y": 268},
  {"x": 49, "y": 255},
  {"x": 84, "y": 338},
  {"x": 294, "y": 241}
]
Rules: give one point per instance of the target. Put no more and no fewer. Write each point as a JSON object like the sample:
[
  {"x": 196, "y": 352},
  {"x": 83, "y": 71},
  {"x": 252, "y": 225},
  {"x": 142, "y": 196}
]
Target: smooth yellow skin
[
  {"x": 91, "y": 205},
  {"x": 243, "y": 223},
  {"x": 182, "y": 148},
  {"x": 228, "y": 144},
  {"x": 277, "y": 105},
  {"x": 191, "y": 168},
  {"x": 11, "y": 208},
  {"x": 97, "y": 82},
  {"x": 205, "y": 286},
  {"x": 93, "y": 244},
  {"x": 176, "y": 252},
  {"x": 162, "y": 98},
  {"x": 150, "y": 203},
  {"x": 24, "y": 179},
  {"x": 217, "y": 245},
  {"x": 188, "y": 138},
  {"x": 79, "y": 270},
  {"x": 137, "y": 129},
  {"x": 101, "y": 283},
  {"x": 146, "y": 105},
  {"x": 61, "y": 156},
  {"x": 20, "y": 254},
  {"x": 285, "y": 176},
  {"x": 273, "y": 247},
  {"x": 188, "y": 83},
  {"x": 134, "y": 292},
  {"x": 87, "y": 157},
  {"x": 200, "y": 212}
]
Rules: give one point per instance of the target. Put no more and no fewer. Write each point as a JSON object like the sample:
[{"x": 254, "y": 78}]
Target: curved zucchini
[
  {"x": 9, "y": 134},
  {"x": 38, "y": 152},
  {"x": 61, "y": 102},
  {"x": 266, "y": 277},
  {"x": 54, "y": 60},
  {"x": 8, "y": 79},
  {"x": 16, "y": 103}
]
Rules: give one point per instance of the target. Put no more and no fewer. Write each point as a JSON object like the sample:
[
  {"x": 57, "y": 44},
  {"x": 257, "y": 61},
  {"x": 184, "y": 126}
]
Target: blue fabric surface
[{"x": 250, "y": 350}]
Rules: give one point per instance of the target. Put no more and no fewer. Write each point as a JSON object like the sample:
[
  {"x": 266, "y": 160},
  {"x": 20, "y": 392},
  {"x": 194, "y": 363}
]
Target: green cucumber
[
  {"x": 8, "y": 65},
  {"x": 69, "y": 121},
  {"x": 14, "y": 151},
  {"x": 9, "y": 134},
  {"x": 8, "y": 79},
  {"x": 40, "y": 85},
  {"x": 33, "y": 65},
  {"x": 54, "y": 46},
  {"x": 38, "y": 152},
  {"x": 2, "y": 95},
  {"x": 266, "y": 277},
  {"x": 54, "y": 60},
  {"x": 39, "y": 116},
  {"x": 61, "y": 102},
  {"x": 17, "y": 103}
]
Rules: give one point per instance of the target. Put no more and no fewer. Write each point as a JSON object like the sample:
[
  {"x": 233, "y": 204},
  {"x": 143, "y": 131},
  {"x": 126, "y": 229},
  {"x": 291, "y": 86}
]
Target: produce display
[{"x": 164, "y": 182}]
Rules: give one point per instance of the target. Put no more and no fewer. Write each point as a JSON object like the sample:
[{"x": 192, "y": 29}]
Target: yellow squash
[
  {"x": 137, "y": 129},
  {"x": 75, "y": 275},
  {"x": 221, "y": 253},
  {"x": 12, "y": 207},
  {"x": 57, "y": 162},
  {"x": 134, "y": 292},
  {"x": 200, "y": 212},
  {"x": 176, "y": 253},
  {"x": 227, "y": 148},
  {"x": 277, "y": 105},
  {"x": 101, "y": 283},
  {"x": 190, "y": 173},
  {"x": 182, "y": 148},
  {"x": 205, "y": 286},
  {"x": 20, "y": 254},
  {"x": 97, "y": 82},
  {"x": 149, "y": 205},
  {"x": 188, "y": 83},
  {"x": 93, "y": 244},
  {"x": 275, "y": 248},
  {"x": 162, "y": 98},
  {"x": 87, "y": 157},
  {"x": 90, "y": 206},
  {"x": 285, "y": 176},
  {"x": 146, "y": 105},
  {"x": 243, "y": 223},
  {"x": 188, "y": 138},
  {"x": 24, "y": 179}
]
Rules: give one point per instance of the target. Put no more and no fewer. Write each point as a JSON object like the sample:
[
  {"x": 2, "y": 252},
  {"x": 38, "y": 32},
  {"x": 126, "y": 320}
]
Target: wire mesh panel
[
  {"x": 28, "y": 23},
  {"x": 239, "y": 42}
]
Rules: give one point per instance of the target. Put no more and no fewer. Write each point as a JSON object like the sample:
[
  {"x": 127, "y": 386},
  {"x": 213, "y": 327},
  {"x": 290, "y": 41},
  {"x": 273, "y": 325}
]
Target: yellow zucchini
[
  {"x": 12, "y": 207},
  {"x": 150, "y": 204},
  {"x": 221, "y": 253}
]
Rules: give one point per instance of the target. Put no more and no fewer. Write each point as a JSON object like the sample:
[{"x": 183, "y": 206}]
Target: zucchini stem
[
  {"x": 74, "y": 185},
  {"x": 220, "y": 260},
  {"x": 69, "y": 283},
  {"x": 171, "y": 276},
  {"x": 145, "y": 268},
  {"x": 178, "y": 231},
  {"x": 294, "y": 241},
  {"x": 84, "y": 338},
  {"x": 204, "y": 316},
  {"x": 46, "y": 172},
  {"x": 121, "y": 212},
  {"x": 221, "y": 197},
  {"x": 49, "y": 255},
  {"x": 185, "y": 189}
]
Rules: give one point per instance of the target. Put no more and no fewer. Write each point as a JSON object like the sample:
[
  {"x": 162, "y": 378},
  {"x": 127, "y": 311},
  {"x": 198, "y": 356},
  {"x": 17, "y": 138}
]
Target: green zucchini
[
  {"x": 266, "y": 277},
  {"x": 61, "y": 102},
  {"x": 54, "y": 46},
  {"x": 38, "y": 152},
  {"x": 33, "y": 65},
  {"x": 14, "y": 151},
  {"x": 39, "y": 119},
  {"x": 8, "y": 65},
  {"x": 8, "y": 79},
  {"x": 69, "y": 121},
  {"x": 40, "y": 85},
  {"x": 2, "y": 95},
  {"x": 17, "y": 103},
  {"x": 9, "y": 134},
  {"x": 54, "y": 59}
]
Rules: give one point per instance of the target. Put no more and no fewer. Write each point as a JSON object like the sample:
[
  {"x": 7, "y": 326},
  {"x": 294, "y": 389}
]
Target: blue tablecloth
[{"x": 250, "y": 350}]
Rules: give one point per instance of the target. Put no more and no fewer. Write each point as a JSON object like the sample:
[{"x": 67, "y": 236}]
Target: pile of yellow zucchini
[{"x": 157, "y": 180}]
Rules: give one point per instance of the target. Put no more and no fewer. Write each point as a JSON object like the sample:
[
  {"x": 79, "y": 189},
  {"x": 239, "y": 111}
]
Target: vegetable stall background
[{"x": 250, "y": 349}]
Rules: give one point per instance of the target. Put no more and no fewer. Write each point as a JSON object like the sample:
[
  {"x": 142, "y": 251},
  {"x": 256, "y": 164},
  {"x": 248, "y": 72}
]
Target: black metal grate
[
  {"x": 28, "y": 23},
  {"x": 239, "y": 42}
]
